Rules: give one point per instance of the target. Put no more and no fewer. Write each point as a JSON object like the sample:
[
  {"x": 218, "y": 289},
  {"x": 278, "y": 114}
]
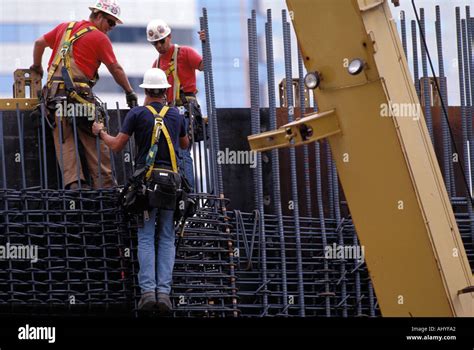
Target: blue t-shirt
[{"x": 140, "y": 122}]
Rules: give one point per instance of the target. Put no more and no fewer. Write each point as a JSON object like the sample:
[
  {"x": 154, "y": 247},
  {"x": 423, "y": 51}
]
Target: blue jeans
[
  {"x": 161, "y": 278},
  {"x": 185, "y": 162}
]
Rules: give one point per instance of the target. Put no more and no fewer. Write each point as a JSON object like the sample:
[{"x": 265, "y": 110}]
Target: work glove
[{"x": 132, "y": 99}]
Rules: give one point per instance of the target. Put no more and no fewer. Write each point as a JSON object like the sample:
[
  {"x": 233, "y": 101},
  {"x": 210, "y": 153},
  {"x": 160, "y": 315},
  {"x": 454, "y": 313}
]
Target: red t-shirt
[
  {"x": 89, "y": 51},
  {"x": 188, "y": 61}
]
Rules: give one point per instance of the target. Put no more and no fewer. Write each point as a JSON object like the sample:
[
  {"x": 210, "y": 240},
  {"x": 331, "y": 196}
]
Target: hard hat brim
[
  {"x": 151, "y": 86},
  {"x": 154, "y": 41},
  {"x": 119, "y": 21}
]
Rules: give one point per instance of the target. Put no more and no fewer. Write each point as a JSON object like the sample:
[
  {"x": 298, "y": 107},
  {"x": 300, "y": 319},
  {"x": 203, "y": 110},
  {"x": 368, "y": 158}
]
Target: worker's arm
[
  {"x": 121, "y": 78},
  {"x": 38, "y": 50},
  {"x": 184, "y": 142},
  {"x": 202, "y": 37},
  {"x": 116, "y": 143}
]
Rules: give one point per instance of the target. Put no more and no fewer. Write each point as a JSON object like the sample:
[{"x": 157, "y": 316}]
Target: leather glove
[{"x": 132, "y": 99}]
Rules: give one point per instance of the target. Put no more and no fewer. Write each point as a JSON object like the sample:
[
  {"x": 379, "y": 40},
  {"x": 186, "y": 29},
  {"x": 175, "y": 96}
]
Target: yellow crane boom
[{"x": 386, "y": 163}]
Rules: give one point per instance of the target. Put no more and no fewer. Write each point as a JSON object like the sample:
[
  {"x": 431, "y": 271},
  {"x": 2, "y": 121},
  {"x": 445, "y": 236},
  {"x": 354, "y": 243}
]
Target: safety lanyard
[{"x": 158, "y": 127}]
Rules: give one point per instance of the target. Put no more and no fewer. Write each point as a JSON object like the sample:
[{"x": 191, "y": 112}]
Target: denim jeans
[
  {"x": 185, "y": 162},
  {"x": 156, "y": 273}
]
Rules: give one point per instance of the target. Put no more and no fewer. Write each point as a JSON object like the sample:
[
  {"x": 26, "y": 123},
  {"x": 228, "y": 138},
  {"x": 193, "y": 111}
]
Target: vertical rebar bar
[
  {"x": 371, "y": 299},
  {"x": 447, "y": 163},
  {"x": 358, "y": 288},
  {"x": 2, "y": 153},
  {"x": 99, "y": 156},
  {"x": 275, "y": 158},
  {"x": 111, "y": 153},
  {"x": 257, "y": 173},
  {"x": 404, "y": 33},
  {"x": 330, "y": 166},
  {"x": 307, "y": 180},
  {"x": 461, "y": 80},
  {"x": 61, "y": 153},
  {"x": 214, "y": 126},
  {"x": 127, "y": 146},
  {"x": 470, "y": 55},
  {"x": 426, "y": 84},
  {"x": 467, "y": 91},
  {"x": 416, "y": 74},
  {"x": 40, "y": 158},
  {"x": 324, "y": 241},
  {"x": 21, "y": 140},
  {"x": 76, "y": 151},
  {"x": 43, "y": 144},
  {"x": 293, "y": 173},
  {"x": 206, "y": 147},
  {"x": 209, "y": 143}
]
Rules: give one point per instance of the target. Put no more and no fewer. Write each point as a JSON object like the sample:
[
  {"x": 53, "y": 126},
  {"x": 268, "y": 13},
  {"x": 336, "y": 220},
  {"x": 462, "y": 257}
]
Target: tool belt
[
  {"x": 192, "y": 111},
  {"x": 162, "y": 188}
]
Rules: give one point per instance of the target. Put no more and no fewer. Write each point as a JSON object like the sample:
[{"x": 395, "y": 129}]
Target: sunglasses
[
  {"x": 162, "y": 41},
  {"x": 111, "y": 22}
]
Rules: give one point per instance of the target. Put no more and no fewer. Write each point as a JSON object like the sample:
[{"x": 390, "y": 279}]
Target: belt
[{"x": 76, "y": 81}]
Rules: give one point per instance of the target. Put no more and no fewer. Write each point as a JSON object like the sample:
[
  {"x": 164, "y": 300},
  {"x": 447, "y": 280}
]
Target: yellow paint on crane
[{"x": 393, "y": 184}]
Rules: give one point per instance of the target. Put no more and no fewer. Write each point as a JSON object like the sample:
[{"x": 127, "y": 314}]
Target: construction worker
[
  {"x": 180, "y": 64},
  {"x": 78, "y": 50},
  {"x": 140, "y": 122}
]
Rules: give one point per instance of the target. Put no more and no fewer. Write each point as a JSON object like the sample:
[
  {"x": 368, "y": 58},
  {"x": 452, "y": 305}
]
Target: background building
[{"x": 22, "y": 21}]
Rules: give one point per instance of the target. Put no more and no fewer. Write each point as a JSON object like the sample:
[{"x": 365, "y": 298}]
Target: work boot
[
  {"x": 164, "y": 304},
  {"x": 147, "y": 301},
  {"x": 75, "y": 186}
]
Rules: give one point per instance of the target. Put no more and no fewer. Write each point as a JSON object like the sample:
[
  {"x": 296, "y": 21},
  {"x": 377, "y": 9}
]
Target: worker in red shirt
[
  {"x": 79, "y": 48},
  {"x": 180, "y": 64}
]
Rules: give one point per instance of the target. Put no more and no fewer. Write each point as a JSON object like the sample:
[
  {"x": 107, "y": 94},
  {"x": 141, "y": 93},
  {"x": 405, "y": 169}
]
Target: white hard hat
[
  {"x": 157, "y": 30},
  {"x": 155, "y": 78},
  {"x": 110, "y": 7}
]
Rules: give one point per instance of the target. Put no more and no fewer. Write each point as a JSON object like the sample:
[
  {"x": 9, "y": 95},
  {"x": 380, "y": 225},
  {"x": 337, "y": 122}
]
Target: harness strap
[
  {"x": 158, "y": 127},
  {"x": 173, "y": 69},
  {"x": 64, "y": 55}
]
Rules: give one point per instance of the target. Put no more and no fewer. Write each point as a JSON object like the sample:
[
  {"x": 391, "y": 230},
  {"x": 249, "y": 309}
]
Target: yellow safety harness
[
  {"x": 63, "y": 56},
  {"x": 173, "y": 69},
  {"x": 160, "y": 126}
]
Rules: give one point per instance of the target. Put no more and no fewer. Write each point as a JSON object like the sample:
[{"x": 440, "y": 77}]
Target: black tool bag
[
  {"x": 163, "y": 187},
  {"x": 185, "y": 205},
  {"x": 133, "y": 199}
]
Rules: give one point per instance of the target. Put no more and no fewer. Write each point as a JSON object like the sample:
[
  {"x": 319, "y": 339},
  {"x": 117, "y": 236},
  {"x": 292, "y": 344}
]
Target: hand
[
  {"x": 97, "y": 127},
  {"x": 37, "y": 69},
  {"x": 202, "y": 35},
  {"x": 132, "y": 99}
]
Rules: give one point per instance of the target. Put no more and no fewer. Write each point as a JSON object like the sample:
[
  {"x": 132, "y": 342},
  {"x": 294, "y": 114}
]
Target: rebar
[
  {"x": 293, "y": 174},
  {"x": 426, "y": 83},
  {"x": 447, "y": 164},
  {"x": 255, "y": 121},
  {"x": 404, "y": 33},
  {"x": 275, "y": 158},
  {"x": 416, "y": 74}
]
